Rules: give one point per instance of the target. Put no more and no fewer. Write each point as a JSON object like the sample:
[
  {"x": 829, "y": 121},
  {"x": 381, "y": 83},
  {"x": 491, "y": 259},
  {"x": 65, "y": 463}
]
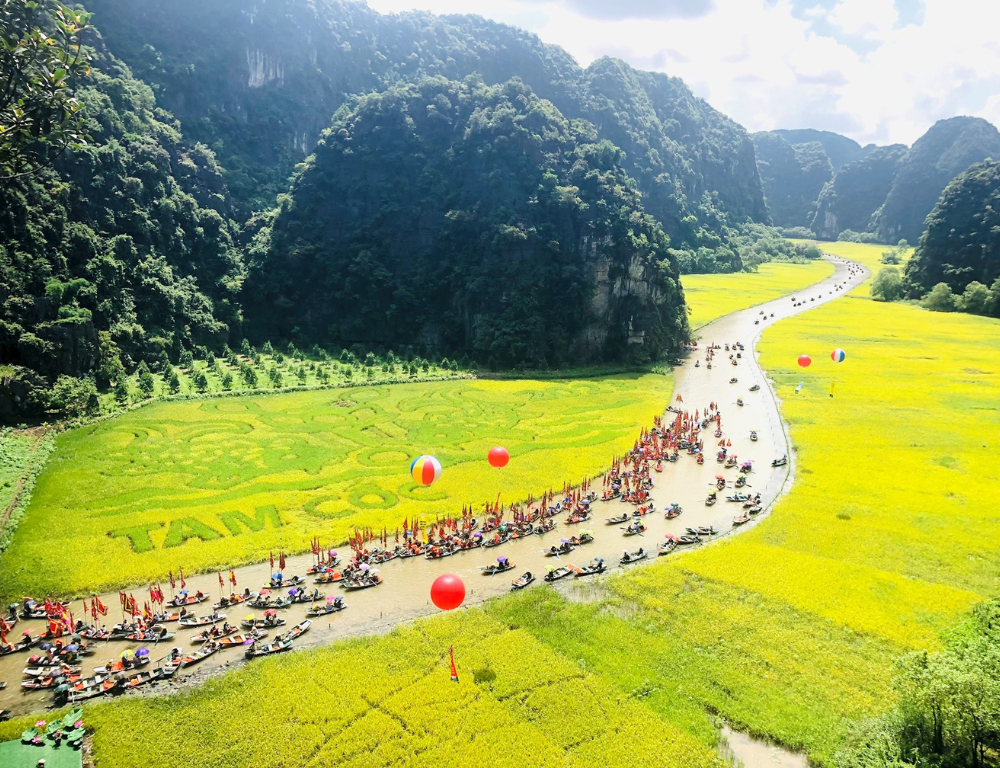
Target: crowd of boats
[{"x": 56, "y": 660}]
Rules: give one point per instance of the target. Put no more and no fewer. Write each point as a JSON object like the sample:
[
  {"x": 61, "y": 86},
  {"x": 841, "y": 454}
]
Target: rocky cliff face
[
  {"x": 947, "y": 149},
  {"x": 851, "y": 199},
  {"x": 792, "y": 175}
]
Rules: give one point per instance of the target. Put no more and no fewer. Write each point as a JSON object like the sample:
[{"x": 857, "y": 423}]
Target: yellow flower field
[
  {"x": 712, "y": 296},
  {"x": 221, "y": 482}
]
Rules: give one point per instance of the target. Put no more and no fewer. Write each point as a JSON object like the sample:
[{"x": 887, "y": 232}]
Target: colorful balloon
[
  {"x": 448, "y": 592},
  {"x": 498, "y": 457},
  {"x": 425, "y": 469},
  {"x": 838, "y": 355},
  {"x": 805, "y": 361}
]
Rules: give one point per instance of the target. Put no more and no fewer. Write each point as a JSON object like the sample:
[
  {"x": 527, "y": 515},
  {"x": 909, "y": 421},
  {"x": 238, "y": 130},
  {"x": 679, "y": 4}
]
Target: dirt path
[{"x": 405, "y": 594}]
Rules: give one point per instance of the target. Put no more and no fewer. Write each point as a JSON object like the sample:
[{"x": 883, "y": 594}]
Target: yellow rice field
[
  {"x": 711, "y": 296},
  {"x": 216, "y": 483}
]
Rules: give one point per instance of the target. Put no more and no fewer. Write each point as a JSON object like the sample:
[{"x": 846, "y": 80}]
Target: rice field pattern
[{"x": 219, "y": 482}]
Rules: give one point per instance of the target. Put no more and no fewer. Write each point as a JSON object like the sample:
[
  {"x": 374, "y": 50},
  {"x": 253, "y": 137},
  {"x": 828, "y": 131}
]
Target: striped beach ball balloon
[
  {"x": 425, "y": 469},
  {"x": 838, "y": 355}
]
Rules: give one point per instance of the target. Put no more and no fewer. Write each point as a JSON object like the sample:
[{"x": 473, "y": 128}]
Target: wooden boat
[
  {"x": 363, "y": 583},
  {"x": 49, "y": 670},
  {"x": 594, "y": 568},
  {"x": 41, "y": 683},
  {"x": 281, "y": 643},
  {"x": 558, "y": 573},
  {"x": 323, "y": 567},
  {"x": 579, "y": 541},
  {"x": 672, "y": 512},
  {"x": 522, "y": 581},
  {"x": 779, "y": 462},
  {"x": 545, "y": 527},
  {"x": 327, "y": 609},
  {"x": 683, "y": 540},
  {"x": 96, "y": 633},
  {"x": 741, "y": 520},
  {"x": 755, "y": 509},
  {"x": 563, "y": 549},
  {"x": 230, "y": 601},
  {"x": 239, "y": 640},
  {"x": 305, "y": 597},
  {"x": 634, "y": 529},
  {"x": 204, "y": 637},
  {"x": 201, "y": 621},
  {"x": 26, "y": 642},
  {"x": 135, "y": 664},
  {"x": 182, "y": 601},
  {"x": 622, "y": 518},
  {"x": 266, "y": 601},
  {"x": 738, "y": 498},
  {"x": 163, "y": 617},
  {"x": 201, "y": 654},
  {"x": 495, "y": 568},
  {"x": 497, "y": 541},
  {"x": 155, "y": 634},
  {"x": 577, "y": 517},
  {"x": 633, "y": 557},
  {"x": 294, "y": 581},
  {"x": 753, "y": 437},
  {"x": 666, "y": 548},
  {"x": 330, "y": 577},
  {"x": 702, "y": 531},
  {"x": 262, "y": 623}
]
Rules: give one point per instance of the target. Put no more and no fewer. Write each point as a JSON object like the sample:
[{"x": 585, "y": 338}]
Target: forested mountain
[
  {"x": 475, "y": 218},
  {"x": 962, "y": 241},
  {"x": 792, "y": 175},
  {"x": 947, "y": 149},
  {"x": 125, "y": 243},
  {"x": 257, "y": 82},
  {"x": 856, "y": 192},
  {"x": 840, "y": 149}
]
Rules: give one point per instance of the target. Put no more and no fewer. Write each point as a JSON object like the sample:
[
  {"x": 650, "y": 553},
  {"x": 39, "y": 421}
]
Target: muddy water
[
  {"x": 748, "y": 752},
  {"x": 405, "y": 593}
]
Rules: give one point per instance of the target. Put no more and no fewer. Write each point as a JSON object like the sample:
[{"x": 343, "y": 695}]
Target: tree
[
  {"x": 200, "y": 381},
  {"x": 173, "y": 383},
  {"x": 186, "y": 359},
  {"x": 993, "y": 305},
  {"x": 121, "y": 391},
  {"x": 940, "y": 299},
  {"x": 146, "y": 384},
  {"x": 73, "y": 398},
  {"x": 887, "y": 285},
  {"x": 227, "y": 380},
  {"x": 975, "y": 298},
  {"x": 245, "y": 348},
  {"x": 41, "y": 56}
]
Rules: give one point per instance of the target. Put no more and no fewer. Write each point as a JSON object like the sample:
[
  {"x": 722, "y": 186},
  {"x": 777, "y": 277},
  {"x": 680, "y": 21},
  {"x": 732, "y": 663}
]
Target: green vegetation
[
  {"x": 949, "y": 704},
  {"x": 22, "y": 457},
  {"x": 947, "y": 149},
  {"x": 792, "y": 175},
  {"x": 846, "y": 205},
  {"x": 711, "y": 296},
  {"x": 212, "y": 483},
  {"x": 524, "y": 262},
  {"x": 959, "y": 250},
  {"x": 40, "y": 56}
]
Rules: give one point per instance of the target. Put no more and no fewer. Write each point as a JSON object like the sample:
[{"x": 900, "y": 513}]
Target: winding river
[{"x": 405, "y": 594}]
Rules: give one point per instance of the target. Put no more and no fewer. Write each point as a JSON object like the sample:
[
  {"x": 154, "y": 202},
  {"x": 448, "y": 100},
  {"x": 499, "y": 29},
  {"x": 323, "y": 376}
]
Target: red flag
[
  {"x": 451, "y": 655},
  {"x": 183, "y": 583},
  {"x": 173, "y": 584},
  {"x": 101, "y": 608},
  {"x": 272, "y": 561},
  {"x": 232, "y": 578},
  {"x": 221, "y": 582},
  {"x": 281, "y": 562}
]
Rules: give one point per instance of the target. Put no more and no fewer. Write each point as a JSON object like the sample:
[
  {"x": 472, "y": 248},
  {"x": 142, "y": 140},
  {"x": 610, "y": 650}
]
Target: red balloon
[
  {"x": 447, "y": 592},
  {"x": 805, "y": 361},
  {"x": 498, "y": 457}
]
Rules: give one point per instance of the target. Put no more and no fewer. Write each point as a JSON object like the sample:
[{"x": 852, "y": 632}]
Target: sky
[{"x": 879, "y": 71}]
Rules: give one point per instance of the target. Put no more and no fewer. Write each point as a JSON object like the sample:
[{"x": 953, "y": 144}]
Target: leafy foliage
[
  {"x": 259, "y": 85},
  {"x": 475, "y": 217},
  {"x": 40, "y": 56},
  {"x": 119, "y": 251},
  {"x": 947, "y": 149},
  {"x": 962, "y": 242},
  {"x": 792, "y": 175},
  {"x": 856, "y": 191}
]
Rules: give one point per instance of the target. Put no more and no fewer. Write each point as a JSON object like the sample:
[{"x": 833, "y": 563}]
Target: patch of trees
[{"x": 949, "y": 705}]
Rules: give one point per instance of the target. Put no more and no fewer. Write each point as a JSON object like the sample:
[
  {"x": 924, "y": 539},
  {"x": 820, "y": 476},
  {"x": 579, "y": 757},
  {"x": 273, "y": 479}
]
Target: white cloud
[{"x": 849, "y": 66}]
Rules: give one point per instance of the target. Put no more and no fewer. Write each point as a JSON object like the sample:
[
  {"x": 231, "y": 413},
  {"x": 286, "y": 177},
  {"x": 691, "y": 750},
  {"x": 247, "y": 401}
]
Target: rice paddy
[
  {"x": 789, "y": 630},
  {"x": 220, "y": 482},
  {"x": 712, "y": 296}
]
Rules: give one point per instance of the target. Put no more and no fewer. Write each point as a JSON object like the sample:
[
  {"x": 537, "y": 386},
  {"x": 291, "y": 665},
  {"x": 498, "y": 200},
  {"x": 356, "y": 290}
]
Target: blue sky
[{"x": 878, "y": 71}]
